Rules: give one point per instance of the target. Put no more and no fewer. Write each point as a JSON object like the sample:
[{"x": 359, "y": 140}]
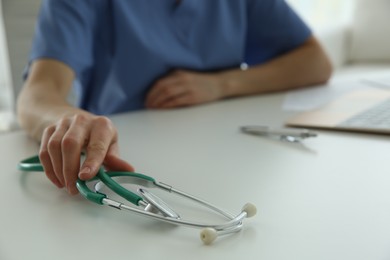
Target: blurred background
[{"x": 351, "y": 31}]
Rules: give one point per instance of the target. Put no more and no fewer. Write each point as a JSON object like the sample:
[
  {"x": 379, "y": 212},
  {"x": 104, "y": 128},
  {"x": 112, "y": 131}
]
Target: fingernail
[{"x": 84, "y": 172}]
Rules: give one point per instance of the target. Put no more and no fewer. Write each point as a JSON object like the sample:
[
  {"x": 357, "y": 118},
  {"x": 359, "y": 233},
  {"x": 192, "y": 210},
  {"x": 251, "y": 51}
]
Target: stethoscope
[{"x": 146, "y": 203}]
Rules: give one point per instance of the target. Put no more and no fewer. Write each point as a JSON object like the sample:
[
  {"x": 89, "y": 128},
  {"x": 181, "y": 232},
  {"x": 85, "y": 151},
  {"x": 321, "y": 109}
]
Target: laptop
[{"x": 365, "y": 110}]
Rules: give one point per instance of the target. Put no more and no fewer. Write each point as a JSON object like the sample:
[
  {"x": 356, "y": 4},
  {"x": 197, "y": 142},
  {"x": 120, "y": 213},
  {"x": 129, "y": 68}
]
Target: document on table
[
  {"x": 378, "y": 81},
  {"x": 314, "y": 97}
]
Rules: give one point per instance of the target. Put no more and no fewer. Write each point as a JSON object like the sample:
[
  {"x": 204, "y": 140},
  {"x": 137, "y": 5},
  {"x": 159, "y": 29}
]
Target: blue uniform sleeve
[
  {"x": 65, "y": 32},
  {"x": 273, "y": 29}
]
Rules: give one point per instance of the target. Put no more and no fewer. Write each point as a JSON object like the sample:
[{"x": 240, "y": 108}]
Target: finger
[
  {"x": 178, "y": 101},
  {"x": 54, "y": 148},
  {"x": 112, "y": 162},
  {"x": 44, "y": 157},
  {"x": 167, "y": 93},
  {"x": 72, "y": 145},
  {"x": 102, "y": 135},
  {"x": 160, "y": 88}
]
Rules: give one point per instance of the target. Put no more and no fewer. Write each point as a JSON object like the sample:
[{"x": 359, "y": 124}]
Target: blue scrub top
[{"x": 119, "y": 48}]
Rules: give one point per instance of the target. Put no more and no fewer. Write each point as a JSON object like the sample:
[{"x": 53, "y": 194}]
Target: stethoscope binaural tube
[
  {"x": 153, "y": 206},
  {"x": 208, "y": 233}
]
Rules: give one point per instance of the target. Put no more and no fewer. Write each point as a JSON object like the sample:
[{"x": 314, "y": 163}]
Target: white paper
[
  {"x": 314, "y": 97},
  {"x": 378, "y": 81}
]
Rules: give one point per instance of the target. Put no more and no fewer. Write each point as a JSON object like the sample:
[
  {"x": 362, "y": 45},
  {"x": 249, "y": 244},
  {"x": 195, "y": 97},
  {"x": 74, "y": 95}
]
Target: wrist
[{"x": 230, "y": 83}]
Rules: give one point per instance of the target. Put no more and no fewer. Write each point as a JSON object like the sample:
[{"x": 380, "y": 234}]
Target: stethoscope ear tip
[
  {"x": 208, "y": 235},
  {"x": 250, "y": 210}
]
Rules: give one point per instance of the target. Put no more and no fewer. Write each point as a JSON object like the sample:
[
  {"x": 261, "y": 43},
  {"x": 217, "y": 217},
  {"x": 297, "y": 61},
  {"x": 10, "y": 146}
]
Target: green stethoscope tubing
[
  {"x": 207, "y": 235},
  {"x": 33, "y": 164}
]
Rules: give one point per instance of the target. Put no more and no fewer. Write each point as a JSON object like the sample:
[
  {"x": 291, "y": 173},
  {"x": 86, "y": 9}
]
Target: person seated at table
[{"x": 119, "y": 56}]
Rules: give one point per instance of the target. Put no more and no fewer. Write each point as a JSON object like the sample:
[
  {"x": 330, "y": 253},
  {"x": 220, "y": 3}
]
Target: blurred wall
[{"x": 19, "y": 21}]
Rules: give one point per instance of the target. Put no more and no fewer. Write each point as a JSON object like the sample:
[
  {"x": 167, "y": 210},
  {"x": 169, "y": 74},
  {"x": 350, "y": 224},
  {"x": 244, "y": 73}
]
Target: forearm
[
  {"x": 43, "y": 99},
  {"x": 37, "y": 110},
  {"x": 304, "y": 66}
]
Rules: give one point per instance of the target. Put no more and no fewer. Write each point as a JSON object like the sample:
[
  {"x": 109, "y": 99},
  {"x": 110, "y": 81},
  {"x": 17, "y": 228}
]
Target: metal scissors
[{"x": 146, "y": 203}]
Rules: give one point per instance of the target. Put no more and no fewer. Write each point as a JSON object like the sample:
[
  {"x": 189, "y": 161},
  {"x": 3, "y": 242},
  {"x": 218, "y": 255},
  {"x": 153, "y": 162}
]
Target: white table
[{"x": 330, "y": 200}]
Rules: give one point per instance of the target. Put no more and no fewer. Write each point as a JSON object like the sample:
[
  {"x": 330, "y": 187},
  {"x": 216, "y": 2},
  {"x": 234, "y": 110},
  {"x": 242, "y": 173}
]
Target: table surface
[{"x": 326, "y": 199}]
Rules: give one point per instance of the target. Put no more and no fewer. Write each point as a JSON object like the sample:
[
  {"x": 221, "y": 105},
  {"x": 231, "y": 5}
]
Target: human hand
[
  {"x": 63, "y": 142},
  {"x": 184, "y": 88}
]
